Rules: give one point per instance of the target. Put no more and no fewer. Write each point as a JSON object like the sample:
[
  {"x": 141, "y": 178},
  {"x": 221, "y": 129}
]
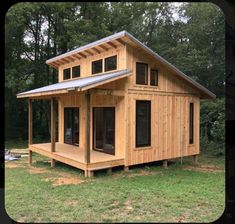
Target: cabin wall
[
  {"x": 169, "y": 113},
  {"x": 169, "y": 128},
  {"x": 169, "y": 109},
  {"x": 78, "y": 100},
  {"x": 85, "y": 63},
  {"x": 167, "y": 80}
]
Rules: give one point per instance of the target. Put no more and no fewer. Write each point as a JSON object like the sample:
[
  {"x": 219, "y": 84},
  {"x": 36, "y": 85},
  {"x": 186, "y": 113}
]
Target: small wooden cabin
[{"x": 119, "y": 104}]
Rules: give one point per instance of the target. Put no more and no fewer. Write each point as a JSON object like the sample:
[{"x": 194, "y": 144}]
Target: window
[
  {"x": 191, "y": 122},
  {"x": 141, "y": 73},
  {"x": 76, "y": 71},
  {"x": 143, "y": 123},
  {"x": 97, "y": 66},
  {"x": 110, "y": 63},
  {"x": 66, "y": 73},
  {"x": 153, "y": 77}
]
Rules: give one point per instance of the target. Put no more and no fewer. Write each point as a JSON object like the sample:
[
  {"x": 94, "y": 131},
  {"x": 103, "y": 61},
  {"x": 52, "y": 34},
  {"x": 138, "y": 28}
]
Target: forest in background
[{"x": 188, "y": 35}]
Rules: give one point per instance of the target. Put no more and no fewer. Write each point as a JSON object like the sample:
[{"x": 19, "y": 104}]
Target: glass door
[
  {"x": 104, "y": 129},
  {"x": 71, "y": 125}
]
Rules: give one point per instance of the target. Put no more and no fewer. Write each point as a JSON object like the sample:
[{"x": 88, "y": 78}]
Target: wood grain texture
[
  {"x": 74, "y": 156},
  {"x": 30, "y": 122},
  {"x": 169, "y": 131},
  {"x": 169, "y": 113}
]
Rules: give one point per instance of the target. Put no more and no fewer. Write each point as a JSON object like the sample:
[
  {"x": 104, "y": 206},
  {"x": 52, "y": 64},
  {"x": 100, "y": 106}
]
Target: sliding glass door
[
  {"x": 104, "y": 129},
  {"x": 71, "y": 125}
]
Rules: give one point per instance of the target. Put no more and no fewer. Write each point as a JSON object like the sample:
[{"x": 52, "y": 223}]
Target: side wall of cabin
[{"x": 170, "y": 102}]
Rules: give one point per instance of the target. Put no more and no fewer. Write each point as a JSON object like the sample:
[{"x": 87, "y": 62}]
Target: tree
[{"x": 35, "y": 32}]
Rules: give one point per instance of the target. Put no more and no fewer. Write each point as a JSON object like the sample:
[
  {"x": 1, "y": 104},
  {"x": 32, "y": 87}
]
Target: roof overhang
[
  {"x": 114, "y": 41},
  {"x": 111, "y": 42},
  {"x": 79, "y": 85}
]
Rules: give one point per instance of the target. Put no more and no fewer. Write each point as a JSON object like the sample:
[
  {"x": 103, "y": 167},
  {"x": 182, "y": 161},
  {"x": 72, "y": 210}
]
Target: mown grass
[{"x": 146, "y": 193}]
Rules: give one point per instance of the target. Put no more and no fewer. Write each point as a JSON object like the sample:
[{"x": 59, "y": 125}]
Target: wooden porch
[{"x": 75, "y": 156}]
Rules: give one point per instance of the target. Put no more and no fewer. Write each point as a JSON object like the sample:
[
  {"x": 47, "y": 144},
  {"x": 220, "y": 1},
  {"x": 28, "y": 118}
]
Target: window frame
[
  {"x": 154, "y": 70},
  {"x": 101, "y": 66},
  {"x": 138, "y": 146},
  {"x": 105, "y": 67},
  {"x": 79, "y": 71},
  {"x": 69, "y": 73},
  {"x": 191, "y": 123},
  {"x": 147, "y": 75}
]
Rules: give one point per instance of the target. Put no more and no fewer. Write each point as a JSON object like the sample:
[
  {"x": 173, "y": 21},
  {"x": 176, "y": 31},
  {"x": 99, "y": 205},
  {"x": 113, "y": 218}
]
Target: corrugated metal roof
[
  {"x": 144, "y": 47},
  {"x": 164, "y": 61},
  {"x": 87, "y": 46},
  {"x": 78, "y": 84}
]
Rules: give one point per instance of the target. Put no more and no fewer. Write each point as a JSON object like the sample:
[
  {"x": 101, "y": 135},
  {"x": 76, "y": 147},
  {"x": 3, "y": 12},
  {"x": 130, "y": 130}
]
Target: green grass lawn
[{"x": 149, "y": 193}]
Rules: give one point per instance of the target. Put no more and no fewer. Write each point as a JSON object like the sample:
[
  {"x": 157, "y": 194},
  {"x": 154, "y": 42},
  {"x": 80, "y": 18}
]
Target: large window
[
  {"x": 153, "y": 77},
  {"x": 110, "y": 63},
  {"x": 143, "y": 123},
  {"x": 141, "y": 73},
  {"x": 66, "y": 73},
  {"x": 97, "y": 66},
  {"x": 191, "y": 123},
  {"x": 76, "y": 71}
]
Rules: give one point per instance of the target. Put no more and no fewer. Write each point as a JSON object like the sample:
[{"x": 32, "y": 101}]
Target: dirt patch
[
  {"x": 13, "y": 165},
  {"x": 64, "y": 181},
  {"x": 36, "y": 170},
  {"x": 204, "y": 168},
  {"x": 128, "y": 205}
]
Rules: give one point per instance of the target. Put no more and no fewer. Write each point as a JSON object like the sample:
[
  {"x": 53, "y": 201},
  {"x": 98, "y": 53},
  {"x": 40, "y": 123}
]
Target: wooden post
[
  {"x": 30, "y": 129},
  {"x": 195, "y": 159},
  {"x": 109, "y": 171},
  {"x": 126, "y": 168},
  {"x": 30, "y": 157},
  {"x": 165, "y": 164},
  {"x": 87, "y": 131},
  {"x": 88, "y": 173},
  {"x": 53, "y": 124},
  {"x": 30, "y": 124},
  {"x": 52, "y": 163}
]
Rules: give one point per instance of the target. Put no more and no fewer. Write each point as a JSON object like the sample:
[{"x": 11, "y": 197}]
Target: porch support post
[
  {"x": 30, "y": 140},
  {"x": 88, "y": 113},
  {"x": 52, "y": 163},
  {"x": 30, "y": 129},
  {"x": 53, "y": 124},
  {"x": 30, "y": 157}
]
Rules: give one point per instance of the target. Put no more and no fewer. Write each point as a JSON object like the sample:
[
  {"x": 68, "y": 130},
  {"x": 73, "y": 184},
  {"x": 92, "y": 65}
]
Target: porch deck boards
[{"x": 74, "y": 156}]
